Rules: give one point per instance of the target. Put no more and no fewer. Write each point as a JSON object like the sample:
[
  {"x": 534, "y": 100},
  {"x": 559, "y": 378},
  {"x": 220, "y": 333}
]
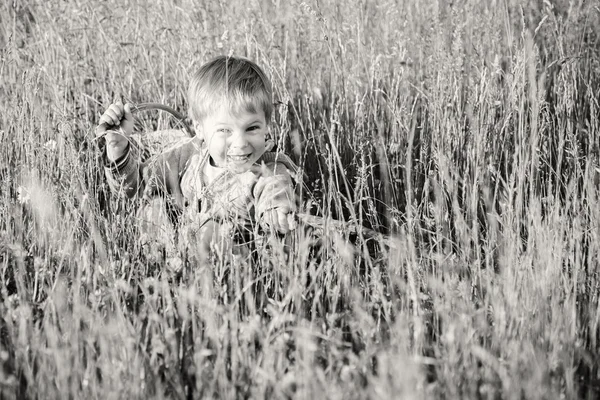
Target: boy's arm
[
  {"x": 160, "y": 175},
  {"x": 274, "y": 190},
  {"x": 121, "y": 159},
  {"x": 124, "y": 175}
]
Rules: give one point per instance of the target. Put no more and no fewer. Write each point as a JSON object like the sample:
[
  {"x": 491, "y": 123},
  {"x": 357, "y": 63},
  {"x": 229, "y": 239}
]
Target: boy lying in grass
[{"x": 224, "y": 181}]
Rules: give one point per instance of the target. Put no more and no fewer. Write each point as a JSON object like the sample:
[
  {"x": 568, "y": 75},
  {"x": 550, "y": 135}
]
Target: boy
[{"x": 224, "y": 177}]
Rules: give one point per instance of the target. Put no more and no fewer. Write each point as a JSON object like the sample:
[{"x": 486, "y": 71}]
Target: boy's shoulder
[
  {"x": 173, "y": 148},
  {"x": 274, "y": 159},
  {"x": 168, "y": 140}
]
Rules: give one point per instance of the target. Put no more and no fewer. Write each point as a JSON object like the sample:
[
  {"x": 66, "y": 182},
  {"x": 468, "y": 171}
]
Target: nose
[{"x": 238, "y": 140}]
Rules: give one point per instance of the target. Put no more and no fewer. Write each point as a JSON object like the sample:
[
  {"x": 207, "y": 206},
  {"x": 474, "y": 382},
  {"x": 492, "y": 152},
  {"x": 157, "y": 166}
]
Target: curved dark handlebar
[{"x": 157, "y": 106}]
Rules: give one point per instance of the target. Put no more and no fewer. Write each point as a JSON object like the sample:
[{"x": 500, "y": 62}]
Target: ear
[
  {"x": 198, "y": 130},
  {"x": 269, "y": 142},
  {"x": 269, "y": 145}
]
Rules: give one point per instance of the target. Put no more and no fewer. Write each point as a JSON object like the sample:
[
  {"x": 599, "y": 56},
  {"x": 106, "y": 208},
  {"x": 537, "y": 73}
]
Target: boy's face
[{"x": 235, "y": 141}]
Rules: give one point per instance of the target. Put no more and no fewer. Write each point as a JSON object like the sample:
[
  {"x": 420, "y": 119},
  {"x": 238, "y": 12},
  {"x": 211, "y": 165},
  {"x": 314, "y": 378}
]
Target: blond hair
[{"x": 233, "y": 82}]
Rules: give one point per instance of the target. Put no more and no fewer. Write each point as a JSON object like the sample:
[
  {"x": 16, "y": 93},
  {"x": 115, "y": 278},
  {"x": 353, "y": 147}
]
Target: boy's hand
[
  {"x": 279, "y": 219},
  {"x": 117, "y": 124}
]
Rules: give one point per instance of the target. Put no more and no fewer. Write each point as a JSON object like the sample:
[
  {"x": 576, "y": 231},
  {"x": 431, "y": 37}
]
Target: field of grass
[{"x": 466, "y": 132}]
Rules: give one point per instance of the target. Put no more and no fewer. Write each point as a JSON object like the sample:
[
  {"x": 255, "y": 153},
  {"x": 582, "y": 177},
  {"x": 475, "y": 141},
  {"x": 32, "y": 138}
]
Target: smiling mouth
[{"x": 238, "y": 159}]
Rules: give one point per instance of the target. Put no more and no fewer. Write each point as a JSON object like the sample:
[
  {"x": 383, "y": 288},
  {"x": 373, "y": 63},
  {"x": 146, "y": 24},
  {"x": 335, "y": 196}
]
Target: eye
[
  {"x": 253, "y": 128},
  {"x": 224, "y": 130}
]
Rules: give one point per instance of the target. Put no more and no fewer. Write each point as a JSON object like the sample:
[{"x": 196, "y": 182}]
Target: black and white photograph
[{"x": 286, "y": 199}]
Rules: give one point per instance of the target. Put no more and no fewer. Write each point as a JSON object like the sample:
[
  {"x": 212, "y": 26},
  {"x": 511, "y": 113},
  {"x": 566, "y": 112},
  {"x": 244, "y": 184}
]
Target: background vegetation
[{"x": 466, "y": 131}]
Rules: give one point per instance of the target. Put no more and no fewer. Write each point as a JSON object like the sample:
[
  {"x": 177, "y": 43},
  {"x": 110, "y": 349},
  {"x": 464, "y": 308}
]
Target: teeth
[{"x": 238, "y": 158}]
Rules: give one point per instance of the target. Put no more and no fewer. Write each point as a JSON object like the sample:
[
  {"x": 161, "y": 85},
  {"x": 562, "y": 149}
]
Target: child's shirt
[{"x": 185, "y": 174}]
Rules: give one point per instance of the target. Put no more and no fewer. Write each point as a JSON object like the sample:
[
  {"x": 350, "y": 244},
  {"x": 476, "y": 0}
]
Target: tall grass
[{"x": 466, "y": 132}]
